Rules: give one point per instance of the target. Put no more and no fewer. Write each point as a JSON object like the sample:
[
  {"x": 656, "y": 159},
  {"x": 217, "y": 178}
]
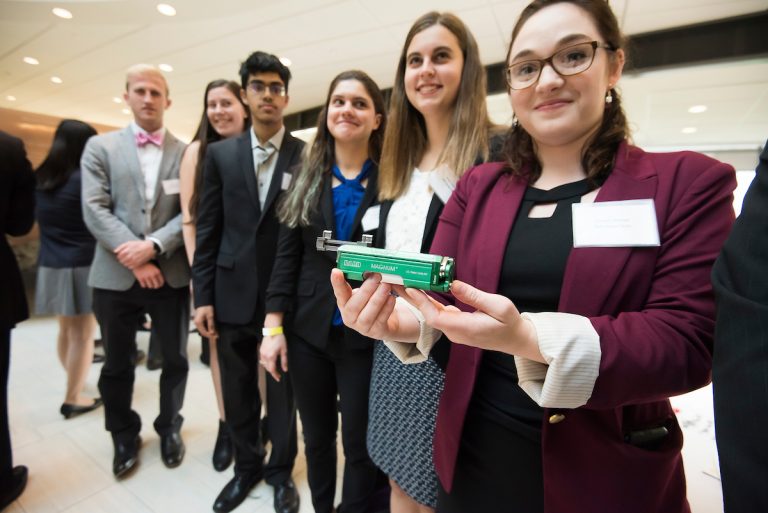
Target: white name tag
[
  {"x": 442, "y": 182},
  {"x": 171, "y": 186},
  {"x": 629, "y": 223},
  {"x": 370, "y": 220},
  {"x": 286, "y": 181}
]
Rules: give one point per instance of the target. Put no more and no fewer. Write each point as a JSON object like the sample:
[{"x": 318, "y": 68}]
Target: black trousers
[
  {"x": 238, "y": 350},
  {"x": 6, "y": 456},
  {"x": 318, "y": 377},
  {"x": 498, "y": 470},
  {"x": 116, "y": 312}
]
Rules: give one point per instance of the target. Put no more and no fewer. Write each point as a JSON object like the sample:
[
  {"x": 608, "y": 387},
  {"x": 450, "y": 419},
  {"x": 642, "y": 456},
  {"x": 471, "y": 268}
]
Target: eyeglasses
[
  {"x": 567, "y": 61},
  {"x": 275, "y": 88}
]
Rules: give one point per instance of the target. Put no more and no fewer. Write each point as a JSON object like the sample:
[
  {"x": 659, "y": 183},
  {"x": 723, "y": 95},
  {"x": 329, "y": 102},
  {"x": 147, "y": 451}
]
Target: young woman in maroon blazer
[{"x": 565, "y": 406}]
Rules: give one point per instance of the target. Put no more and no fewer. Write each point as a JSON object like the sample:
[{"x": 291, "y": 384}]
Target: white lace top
[{"x": 408, "y": 215}]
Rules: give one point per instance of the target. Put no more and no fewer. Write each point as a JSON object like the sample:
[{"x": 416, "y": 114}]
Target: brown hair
[
  {"x": 405, "y": 139},
  {"x": 206, "y": 134},
  {"x": 599, "y": 152},
  {"x": 301, "y": 199}
]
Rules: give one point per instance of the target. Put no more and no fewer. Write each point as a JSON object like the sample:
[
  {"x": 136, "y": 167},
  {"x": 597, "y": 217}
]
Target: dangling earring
[
  {"x": 514, "y": 121},
  {"x": 609, "y": 97}
]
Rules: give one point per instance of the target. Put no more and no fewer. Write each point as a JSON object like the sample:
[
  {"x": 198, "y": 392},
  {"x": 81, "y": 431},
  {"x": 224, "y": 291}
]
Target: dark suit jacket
[
  {"x": 236, "y": 241},
  {"x": 652, "y": 308},
  {"x": 740, "y": 373},
  {"x": 300, "y": 283},
  {"x": 17, "y": 215}
]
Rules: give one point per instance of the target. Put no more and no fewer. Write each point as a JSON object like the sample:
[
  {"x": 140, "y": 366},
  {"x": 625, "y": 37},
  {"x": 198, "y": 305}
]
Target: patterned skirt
[{"x": 402, "y": 411}]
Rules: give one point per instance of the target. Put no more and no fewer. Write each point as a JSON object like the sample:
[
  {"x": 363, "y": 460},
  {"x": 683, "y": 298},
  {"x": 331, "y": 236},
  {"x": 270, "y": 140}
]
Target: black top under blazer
[
  {"x": 236, "y": 241},
  {"x": 301, "y": 277}
]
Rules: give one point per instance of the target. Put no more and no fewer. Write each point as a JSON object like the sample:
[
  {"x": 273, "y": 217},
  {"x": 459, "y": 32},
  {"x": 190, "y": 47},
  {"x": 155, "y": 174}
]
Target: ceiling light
[
  {"x": 286, "y": 61},
  {"x": 10, "y": 98},
  {"x": 56, "y": 80},
  {"x": 166, "y": 9},
  {"x": 697, "y": 109},
  {"x": 689, "y": 130},
  {"x": 62, "y": 13},
  {"x": 165, "y": 67},
  {"x": 31, "y": 60},
  {"x": 117, "y": 100},
  {"x": 126, "y": 111}
]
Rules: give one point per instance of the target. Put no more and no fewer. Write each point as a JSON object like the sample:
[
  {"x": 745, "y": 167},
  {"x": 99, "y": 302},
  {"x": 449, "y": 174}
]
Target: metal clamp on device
[{"x": 416, "y": 270}]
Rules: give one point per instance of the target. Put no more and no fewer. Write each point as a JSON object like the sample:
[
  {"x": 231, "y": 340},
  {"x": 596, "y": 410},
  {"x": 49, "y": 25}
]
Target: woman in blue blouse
[
  {"x": 335, "y": 189},
  {"x": 66, "y": 252}
]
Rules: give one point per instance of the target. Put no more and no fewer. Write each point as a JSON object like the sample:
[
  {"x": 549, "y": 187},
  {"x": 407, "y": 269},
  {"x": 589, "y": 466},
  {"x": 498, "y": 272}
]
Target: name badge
[
  {"x": 442, "y": 182},
  {"x": 608, "y": 224},
  {"x": 370, "y": 220},
  {"x": 171, "y": 186},
  {"x": 286, "y": 181}
]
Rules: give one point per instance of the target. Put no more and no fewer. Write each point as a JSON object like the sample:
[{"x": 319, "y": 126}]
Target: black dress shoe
[
  {"x": 12, "y": 490},
  {"x": 235, "y": 492},
  {"x": 222, "y": 451},
  {"x": 286, "y": 497},
  {"x": 73, "y": 410},
  {"x": 172, "y": 449},
  {"x": 126, "y": 457}
]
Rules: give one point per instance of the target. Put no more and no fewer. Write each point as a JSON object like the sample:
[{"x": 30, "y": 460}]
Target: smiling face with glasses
[{"x": 559, "y": 73}]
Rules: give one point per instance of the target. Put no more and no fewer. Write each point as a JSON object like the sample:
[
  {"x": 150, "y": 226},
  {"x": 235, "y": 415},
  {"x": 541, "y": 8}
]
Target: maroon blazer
[{"x": 653, "y": 309}]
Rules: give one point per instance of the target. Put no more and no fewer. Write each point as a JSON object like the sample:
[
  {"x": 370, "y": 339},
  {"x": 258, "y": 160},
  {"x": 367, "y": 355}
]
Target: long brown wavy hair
[
  {"x": 405, "y": 140},
  {"x": 301, "y": 200},
  {"x": 206, "y": 134},
  {"x": 599, "y": 152}
]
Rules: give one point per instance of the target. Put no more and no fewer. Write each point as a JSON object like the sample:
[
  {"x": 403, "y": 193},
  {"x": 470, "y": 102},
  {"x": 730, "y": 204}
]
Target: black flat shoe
[
  {"x": 98, "y": 358},
  {"x": 222, "y": 451},
  {"x": 16, "y": 486},
  {"x": 286, "y": 497},
  {"x": 172, "y": 449},
  {"x": 235, "y": 492},
  {"x": 73, "y": 410},
  {"x": 126, "y": 457}
]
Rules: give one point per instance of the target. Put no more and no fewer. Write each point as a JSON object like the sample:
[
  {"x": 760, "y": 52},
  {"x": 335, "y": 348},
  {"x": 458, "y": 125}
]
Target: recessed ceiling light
[
  {"x": 10, "y": 98},
  {"x": 126, "y": 111},
  {"x": 166, "y": 9},
  {"x": 697, "y": 109},
  {"x": 56, "y": 80},
  {"x": 165, "y": 67},
  {"x": 117, "y": 100},
  {"x": 689, "y": 130},
  {"x": 31, "y": 60},
  {"x": 286, "y": 61},
  {"x": 62, "y": 13}
]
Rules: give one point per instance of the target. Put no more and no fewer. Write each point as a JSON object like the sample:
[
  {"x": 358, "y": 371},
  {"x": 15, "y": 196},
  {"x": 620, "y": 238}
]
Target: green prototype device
[{"x": 416, "y": 270}]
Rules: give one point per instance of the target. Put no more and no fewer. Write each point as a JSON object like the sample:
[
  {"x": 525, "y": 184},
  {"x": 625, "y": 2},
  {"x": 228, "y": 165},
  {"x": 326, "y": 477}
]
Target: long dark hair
[
  {"x": 406, "y": 138},
  {"x": 206, "y": 134},
  {"x": 599, "y": 152},
  {"x": 64, "y": 155},
  {"x": 298, "y": 204}
]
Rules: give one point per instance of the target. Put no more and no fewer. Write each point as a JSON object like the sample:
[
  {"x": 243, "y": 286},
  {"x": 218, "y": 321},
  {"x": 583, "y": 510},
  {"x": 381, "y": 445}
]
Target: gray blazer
[{"x": 115, "y": 211}]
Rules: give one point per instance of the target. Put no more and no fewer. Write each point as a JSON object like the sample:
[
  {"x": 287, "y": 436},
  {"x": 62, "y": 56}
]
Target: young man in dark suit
[
  {"x": 17, "y": 215},
  {"x": 131, "y": 206},
  {"x": 236, "y": 244},
  {"x": 740, "y": 365}
]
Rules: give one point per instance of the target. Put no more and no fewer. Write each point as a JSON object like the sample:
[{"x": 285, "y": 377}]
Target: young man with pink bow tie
[{"x": 131, "y": 206}]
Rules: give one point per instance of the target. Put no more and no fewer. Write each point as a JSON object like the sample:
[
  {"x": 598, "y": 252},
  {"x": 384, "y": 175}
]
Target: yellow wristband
[{"x": 268, "y": 332}]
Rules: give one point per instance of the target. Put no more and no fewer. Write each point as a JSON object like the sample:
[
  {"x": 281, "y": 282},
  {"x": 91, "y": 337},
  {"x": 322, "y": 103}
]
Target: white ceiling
[{"x": 207, "y": 39}]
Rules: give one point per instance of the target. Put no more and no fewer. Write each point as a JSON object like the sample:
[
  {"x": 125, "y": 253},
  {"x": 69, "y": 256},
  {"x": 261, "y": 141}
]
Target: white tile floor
[{"x": 70, "y": 461}]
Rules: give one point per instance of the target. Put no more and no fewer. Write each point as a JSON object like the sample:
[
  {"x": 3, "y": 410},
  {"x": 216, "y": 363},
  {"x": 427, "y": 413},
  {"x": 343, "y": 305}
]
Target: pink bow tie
[{"x": 142, "y": 139}]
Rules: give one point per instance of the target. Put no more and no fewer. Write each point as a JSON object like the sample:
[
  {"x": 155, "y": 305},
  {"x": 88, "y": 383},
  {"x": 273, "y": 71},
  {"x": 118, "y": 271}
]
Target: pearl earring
[{"x": 608, "y": 97}]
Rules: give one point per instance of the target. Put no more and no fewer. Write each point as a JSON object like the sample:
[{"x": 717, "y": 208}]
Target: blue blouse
[{"x": 346, "y": 200}]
